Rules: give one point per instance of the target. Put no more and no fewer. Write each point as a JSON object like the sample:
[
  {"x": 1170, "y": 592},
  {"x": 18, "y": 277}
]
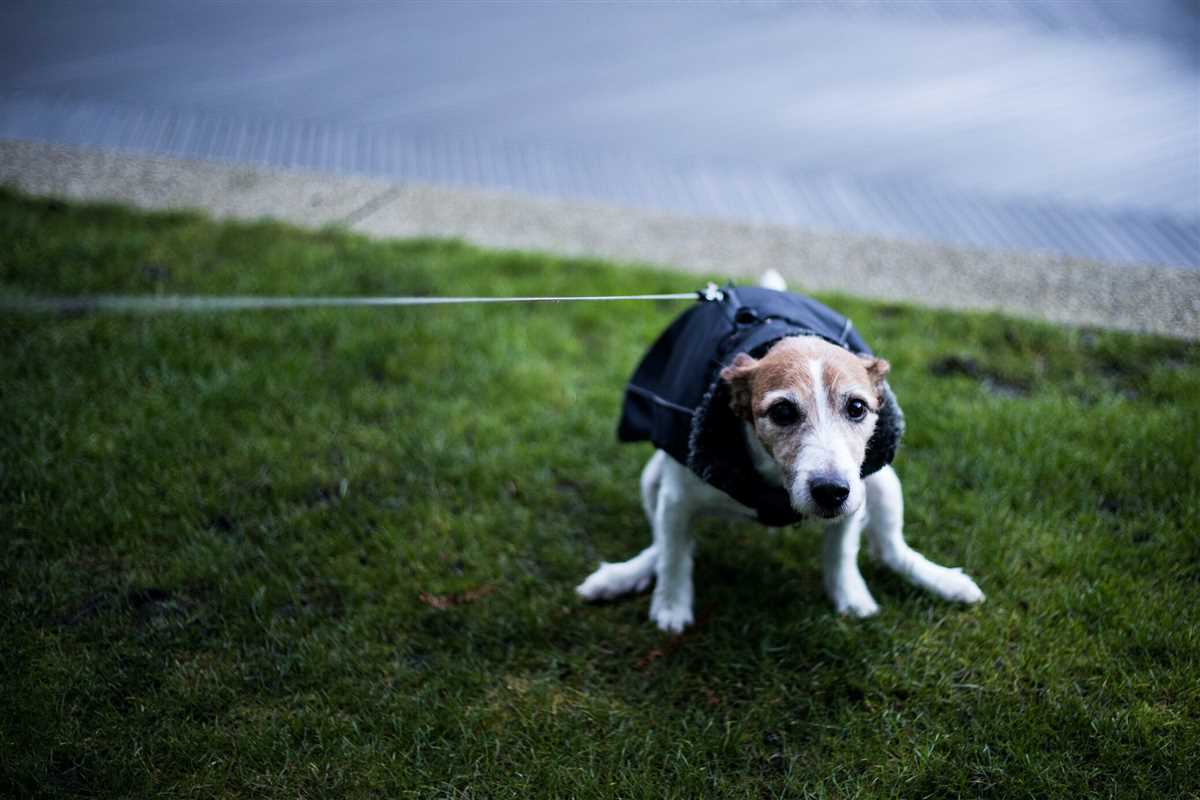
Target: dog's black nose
[{"x": 829, "y": 492}]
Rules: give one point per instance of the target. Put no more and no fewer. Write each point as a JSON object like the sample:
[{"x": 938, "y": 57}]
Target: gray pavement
[
  {"x": 1069, "y": 290},
  {"x": 1066, "y": 128}
]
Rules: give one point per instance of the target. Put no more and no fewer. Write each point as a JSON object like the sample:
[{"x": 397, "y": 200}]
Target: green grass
[{"x": 218, "y": 531}]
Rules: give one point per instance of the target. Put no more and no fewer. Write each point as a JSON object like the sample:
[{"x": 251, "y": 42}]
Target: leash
[{"x": 134, "y": 304}]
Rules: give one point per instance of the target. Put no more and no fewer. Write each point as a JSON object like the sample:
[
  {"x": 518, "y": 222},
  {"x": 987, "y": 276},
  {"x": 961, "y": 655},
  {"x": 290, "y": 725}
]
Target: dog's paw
[
  {"x": 955, "y": 585},
  {"x": 611, "y": 581},
  {"x": 670, "y": 617},
  {"x": 859, "y": 605}
]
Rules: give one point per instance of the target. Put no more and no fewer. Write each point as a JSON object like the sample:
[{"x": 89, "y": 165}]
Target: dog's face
[{"x": 813, "y": 407}]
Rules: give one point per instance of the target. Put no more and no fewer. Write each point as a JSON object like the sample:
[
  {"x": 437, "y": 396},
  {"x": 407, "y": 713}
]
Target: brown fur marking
[
  {"x": 785, "y": 366},
  {"x": 738, "y": 375}
]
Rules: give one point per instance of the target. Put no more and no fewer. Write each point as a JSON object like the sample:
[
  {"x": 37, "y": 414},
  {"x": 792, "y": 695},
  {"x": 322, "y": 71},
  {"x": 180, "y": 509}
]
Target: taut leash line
[{"x": 133, "y": 304}]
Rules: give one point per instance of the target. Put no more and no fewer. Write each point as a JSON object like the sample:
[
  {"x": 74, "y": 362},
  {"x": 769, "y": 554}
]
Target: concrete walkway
[
  {"x": 1070, "y": 290},
  {"x": 1054, "y": 127}
]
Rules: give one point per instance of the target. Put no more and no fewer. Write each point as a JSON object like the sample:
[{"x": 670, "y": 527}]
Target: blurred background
[{"x": 1061, "y": 127}]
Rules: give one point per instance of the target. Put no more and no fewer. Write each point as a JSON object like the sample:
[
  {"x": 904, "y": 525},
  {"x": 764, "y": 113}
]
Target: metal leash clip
[{"x": 711, "y": 293}]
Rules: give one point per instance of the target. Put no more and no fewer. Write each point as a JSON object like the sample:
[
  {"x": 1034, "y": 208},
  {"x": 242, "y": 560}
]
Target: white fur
[
  {"x": 771, "y": 279},
  {"x": 673, "y": 496},
  {"x": 825, "y": 451}
]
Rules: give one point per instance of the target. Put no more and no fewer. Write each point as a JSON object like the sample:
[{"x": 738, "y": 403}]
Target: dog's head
[{"x": 813, "y": 407}]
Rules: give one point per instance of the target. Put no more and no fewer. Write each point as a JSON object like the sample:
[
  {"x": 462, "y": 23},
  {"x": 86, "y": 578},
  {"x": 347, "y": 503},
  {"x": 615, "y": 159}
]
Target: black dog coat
[{"x": 677, "y": 400}]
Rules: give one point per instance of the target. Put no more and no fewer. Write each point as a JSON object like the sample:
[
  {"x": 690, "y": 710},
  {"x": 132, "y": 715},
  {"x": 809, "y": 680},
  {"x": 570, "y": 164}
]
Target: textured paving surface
[
  {"x": 1067, "y": 128},
  {"x": 1138, "y": 298}
]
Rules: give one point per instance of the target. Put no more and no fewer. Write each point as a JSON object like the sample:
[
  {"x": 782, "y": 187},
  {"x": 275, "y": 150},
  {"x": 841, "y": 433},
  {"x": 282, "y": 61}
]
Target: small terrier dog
[{"x": 800, "y": 421}]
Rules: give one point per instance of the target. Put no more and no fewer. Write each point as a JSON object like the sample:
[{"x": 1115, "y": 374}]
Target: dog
[{"x": 791, "y": 417}]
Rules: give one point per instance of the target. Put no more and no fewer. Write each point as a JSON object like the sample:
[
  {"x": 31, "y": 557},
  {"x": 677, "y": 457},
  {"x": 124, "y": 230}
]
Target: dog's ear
[
  {"x": 738, "y": 376},
  {"x": 877, "y": 370}
]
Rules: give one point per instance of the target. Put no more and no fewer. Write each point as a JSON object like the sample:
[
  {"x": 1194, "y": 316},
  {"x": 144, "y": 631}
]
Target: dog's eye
[
  {"x": 784, "y": 413},
  {"x": 856, "y": 409}
]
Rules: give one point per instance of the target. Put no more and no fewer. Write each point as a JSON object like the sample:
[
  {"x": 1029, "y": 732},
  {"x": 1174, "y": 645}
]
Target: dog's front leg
[
  {"x": 671, "y": 604},
  {"x": 885, "y": 504},
  {"x": 843, "y": 582},
  {"x": 611, "y": 580}
]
